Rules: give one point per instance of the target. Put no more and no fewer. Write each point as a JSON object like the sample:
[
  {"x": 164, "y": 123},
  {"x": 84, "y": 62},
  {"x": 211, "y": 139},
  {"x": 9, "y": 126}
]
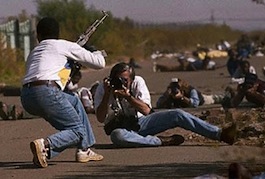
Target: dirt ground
[{"x": 195, "y": 157}]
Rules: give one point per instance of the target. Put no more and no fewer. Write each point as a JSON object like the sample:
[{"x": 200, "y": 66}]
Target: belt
[{"x": 41, "y": 82}]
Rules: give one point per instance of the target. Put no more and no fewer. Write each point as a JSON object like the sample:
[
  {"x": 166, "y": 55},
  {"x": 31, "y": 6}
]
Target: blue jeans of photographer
[
  {"x": 161, "y": 121},
  {"x": 64, "y": 112}
]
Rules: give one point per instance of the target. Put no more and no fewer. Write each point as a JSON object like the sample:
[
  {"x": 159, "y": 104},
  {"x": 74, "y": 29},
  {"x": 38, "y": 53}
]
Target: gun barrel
[{"x": 82, "y": 40}]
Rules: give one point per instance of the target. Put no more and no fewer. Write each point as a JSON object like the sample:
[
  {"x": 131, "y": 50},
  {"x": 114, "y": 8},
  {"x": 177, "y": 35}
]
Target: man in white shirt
[{"x": 47, "y": 72}]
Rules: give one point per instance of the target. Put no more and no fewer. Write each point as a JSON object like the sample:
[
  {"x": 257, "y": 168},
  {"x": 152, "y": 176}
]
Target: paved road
[{"x": 186, "y": 161}]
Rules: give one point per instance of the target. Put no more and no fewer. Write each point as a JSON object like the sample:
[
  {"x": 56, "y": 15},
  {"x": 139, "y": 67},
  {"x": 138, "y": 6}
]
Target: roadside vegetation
[{"x": 119, "y": 37}]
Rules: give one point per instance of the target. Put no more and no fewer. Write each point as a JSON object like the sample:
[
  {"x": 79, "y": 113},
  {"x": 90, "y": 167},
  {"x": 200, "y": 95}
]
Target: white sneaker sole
[{"x": 37, "y": 155}]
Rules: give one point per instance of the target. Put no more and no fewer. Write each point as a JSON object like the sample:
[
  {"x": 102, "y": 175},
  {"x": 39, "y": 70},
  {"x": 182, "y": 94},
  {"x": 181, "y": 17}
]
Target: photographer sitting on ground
[
  {"x": 134, "y": 93},
  {"x": 253, "y": 89},
  {"x": 180, "y": 94}
]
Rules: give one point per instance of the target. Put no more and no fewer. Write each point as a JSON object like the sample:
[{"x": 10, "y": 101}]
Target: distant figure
[
  {"x": 86, "y": 95},
  {"x": 187, "y": 63},
  {"x": 10, "y": 111},
  {"x": 133, "y": 64},
  {"x": 240, "y": 73},
  {"x": 232, "y": 63},
  {"x": 244, "y": 47},
  {"x": 223, "y": 45}
]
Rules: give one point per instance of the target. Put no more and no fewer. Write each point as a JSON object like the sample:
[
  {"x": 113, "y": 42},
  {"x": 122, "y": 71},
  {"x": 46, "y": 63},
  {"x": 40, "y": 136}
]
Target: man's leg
[
  {"x": 163, "y": 120},
  {"x": 256, "y": 98},
  {"x": 159, "y": 122},
  {"x": 125, "y": 138},
  {"x": 65, "y": 113},
  {"x": 237, "y": 99}
]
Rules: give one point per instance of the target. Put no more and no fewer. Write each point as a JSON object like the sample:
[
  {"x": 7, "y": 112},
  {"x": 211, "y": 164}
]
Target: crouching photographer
[
  {"x": 126, "y": 92},
  {"x": 253, "y": 89}
]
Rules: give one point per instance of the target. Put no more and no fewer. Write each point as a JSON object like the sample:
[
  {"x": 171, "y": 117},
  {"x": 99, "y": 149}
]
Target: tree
[{"x": 73, "y": 16}]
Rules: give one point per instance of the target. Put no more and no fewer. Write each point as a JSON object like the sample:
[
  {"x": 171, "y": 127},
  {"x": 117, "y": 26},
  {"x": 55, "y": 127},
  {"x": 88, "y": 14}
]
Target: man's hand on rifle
[{"x": 90, "y": 48}]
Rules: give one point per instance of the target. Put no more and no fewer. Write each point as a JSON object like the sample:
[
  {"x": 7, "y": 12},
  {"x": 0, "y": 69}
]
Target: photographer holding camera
[
  {"x": 253, "y": 89},
  {"x": 179, "y": 94},
  {"x": 135, "y": 94}
]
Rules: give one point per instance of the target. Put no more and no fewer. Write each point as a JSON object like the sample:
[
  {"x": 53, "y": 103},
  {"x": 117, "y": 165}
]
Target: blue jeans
[
  {"x": 161, "y": 121},
  {"x": 64, "y": 112}
]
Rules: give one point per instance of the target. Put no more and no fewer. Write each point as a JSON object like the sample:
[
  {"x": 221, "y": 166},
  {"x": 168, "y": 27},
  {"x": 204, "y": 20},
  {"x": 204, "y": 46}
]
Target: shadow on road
[{"x": 172, "y": 170}]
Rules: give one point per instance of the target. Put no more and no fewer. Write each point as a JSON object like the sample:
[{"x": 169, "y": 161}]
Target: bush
[{"x": 12, "y": 65}]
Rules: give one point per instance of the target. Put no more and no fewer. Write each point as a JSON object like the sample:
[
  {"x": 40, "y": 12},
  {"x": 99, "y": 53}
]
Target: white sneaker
[
  {"x": 39, "y": 153},
  {"x": 89, "y": 155}
]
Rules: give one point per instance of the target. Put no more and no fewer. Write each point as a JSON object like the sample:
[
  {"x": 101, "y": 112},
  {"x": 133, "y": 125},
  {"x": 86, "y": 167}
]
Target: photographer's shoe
[
  {"x": 39, "y": 153},
  {"x": 229, "y": 134},
  {"x": 88, "y": 155},
  {"x": 173, "y": 140}
]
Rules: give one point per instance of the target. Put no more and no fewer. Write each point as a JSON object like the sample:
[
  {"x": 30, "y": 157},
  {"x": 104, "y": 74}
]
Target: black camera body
[
  {"x": 117, "y": 83},
  {"x": 174, "y": 87}
]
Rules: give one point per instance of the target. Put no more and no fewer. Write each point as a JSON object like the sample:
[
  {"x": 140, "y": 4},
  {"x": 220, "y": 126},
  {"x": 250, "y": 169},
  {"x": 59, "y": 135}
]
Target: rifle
[
  {"x": 87, "y": 34},
  {"x": 82, "y": 40}
]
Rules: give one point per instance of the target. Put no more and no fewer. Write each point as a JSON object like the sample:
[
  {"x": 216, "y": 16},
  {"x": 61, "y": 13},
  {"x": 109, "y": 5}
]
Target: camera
[
  {"x": 117, "y": 83},
  {"x": 174, "y": 91},
  {"x": 174, "y": 87}
]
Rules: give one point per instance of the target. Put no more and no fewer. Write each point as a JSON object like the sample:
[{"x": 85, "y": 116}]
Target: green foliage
[
  {"x": 73, "y": 16},
  {"x": 11, "y": 65},
  {"x": 119, "y": 37}
]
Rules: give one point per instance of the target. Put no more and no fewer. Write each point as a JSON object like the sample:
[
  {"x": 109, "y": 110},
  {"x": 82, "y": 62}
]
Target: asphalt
[{"x": 185, "y": 161}]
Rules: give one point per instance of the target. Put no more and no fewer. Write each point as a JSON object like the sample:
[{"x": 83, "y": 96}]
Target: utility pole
[{"x": 212, "y": 18}]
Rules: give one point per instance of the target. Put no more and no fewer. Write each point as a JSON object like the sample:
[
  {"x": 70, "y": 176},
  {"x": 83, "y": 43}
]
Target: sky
[{"x": 239, "y": 14}]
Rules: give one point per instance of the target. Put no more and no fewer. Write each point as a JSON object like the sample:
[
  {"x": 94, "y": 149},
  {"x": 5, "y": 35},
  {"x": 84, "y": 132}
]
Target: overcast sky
[{"x": 241, "y": 14}]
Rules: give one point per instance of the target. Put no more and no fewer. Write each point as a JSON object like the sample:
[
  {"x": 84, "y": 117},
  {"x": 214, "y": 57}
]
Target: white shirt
[
  {"x": 49, "y": 61},
  {"x": 138, "y": 88}
]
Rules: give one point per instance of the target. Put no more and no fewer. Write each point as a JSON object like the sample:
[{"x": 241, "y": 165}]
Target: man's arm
[
  {"x": 139, "y": 105},
  {"x": 102, "y": 109},
  {"x": 103, "y": 106},
  {"x": 140, "y": 99}
]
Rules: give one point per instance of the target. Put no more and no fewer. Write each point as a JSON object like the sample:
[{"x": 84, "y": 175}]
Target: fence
[{"x": 19, "y": 35}]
